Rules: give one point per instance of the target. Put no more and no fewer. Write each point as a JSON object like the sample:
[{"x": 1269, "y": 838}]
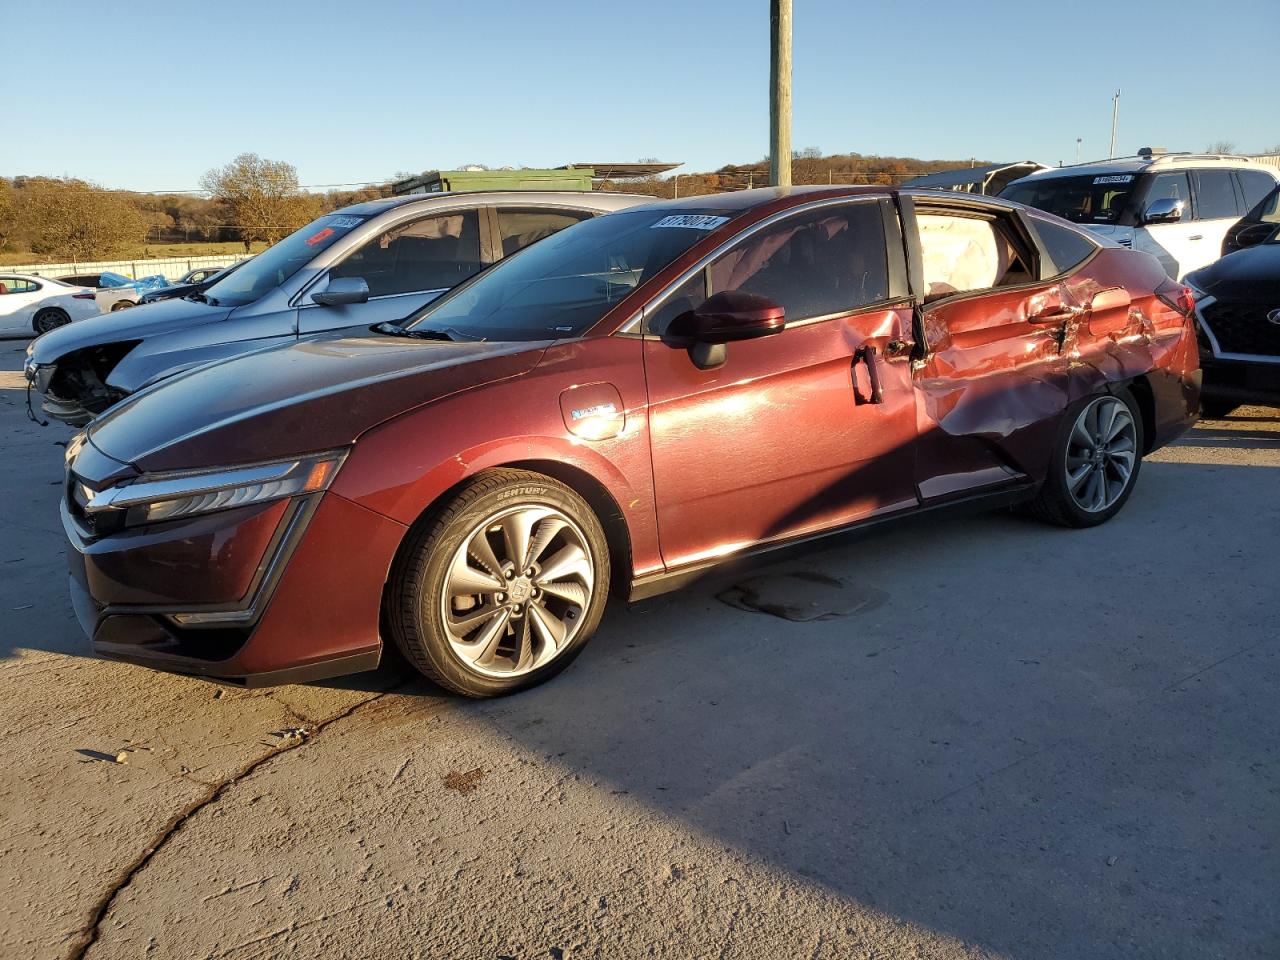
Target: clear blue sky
[{"x": 150, "y": 95}]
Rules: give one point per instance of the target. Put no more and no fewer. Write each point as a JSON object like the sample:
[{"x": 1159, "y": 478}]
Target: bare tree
[
  {"x": 1221, "y": 146},
  {"x": 262, "y": 196}
]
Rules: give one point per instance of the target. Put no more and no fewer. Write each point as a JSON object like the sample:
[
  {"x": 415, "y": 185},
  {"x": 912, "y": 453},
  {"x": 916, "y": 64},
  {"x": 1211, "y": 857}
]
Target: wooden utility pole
[{"x": 780, "y": 92}]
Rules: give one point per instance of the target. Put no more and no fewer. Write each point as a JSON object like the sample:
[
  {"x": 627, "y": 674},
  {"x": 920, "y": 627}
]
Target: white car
[
  {"x": 31, "y": 304},
  {"x": 1175, "y": 206}
]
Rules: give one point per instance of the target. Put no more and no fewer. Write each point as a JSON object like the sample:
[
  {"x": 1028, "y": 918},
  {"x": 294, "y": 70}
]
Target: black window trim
[{"x": 636, "y": 326}]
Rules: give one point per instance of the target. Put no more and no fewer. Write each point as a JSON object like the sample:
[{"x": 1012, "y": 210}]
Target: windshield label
[
  {"x": 344, "y": 222},
  {"x": 324, "y": 234},
  {"x": 1118, "y": 178},
  {"x": 690, "y": 222}
]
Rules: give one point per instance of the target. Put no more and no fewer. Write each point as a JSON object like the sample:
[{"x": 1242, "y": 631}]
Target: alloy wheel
[
  {"x": 1101, "y": 453},
  {"x": 48, "y": 320},
  {"x": 516, "y": 590}
]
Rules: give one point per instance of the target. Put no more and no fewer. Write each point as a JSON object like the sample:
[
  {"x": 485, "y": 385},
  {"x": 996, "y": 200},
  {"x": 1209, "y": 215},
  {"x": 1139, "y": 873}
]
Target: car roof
[
  {"x": 737, "y": 201},
  {"x": 1138, "y": 164},
  {"x": 594, "y": 200}
]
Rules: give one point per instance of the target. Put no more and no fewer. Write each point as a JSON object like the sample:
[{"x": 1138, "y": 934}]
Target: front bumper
[
  {"x": 262, "y": 595},
  {"x": 70, "y": 412},
  {"x": 1239, "y": 351}
]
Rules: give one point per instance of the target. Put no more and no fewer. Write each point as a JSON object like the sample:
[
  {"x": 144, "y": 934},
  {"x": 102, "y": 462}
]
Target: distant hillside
[{"x": 807, "y": 167}]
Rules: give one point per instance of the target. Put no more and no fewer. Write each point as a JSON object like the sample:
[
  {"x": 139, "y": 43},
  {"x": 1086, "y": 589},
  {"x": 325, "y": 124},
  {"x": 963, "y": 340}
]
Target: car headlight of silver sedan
[{"x": 168, "y": 496}]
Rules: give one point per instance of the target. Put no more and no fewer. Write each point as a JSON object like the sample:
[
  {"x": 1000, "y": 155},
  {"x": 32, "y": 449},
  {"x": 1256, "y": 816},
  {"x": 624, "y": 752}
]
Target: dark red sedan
[{"x": 613, "y": 411}]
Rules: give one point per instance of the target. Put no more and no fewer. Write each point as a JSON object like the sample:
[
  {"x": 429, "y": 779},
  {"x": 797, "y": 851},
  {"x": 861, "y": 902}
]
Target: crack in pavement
[{"x": 89, "y": 936}]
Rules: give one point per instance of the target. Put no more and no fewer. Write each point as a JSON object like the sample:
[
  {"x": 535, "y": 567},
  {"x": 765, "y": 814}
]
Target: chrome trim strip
[{"x": 635, "y": 325}]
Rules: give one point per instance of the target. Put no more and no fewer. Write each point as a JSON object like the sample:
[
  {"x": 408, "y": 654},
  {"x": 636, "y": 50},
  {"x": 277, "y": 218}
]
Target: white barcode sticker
[
  {"x": 690, "y": 222},
  {"x": 1118, "y": 178}
]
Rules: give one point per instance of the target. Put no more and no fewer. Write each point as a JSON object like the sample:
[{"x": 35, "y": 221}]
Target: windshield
[
  {"x": 560, "y": 286},
  {"x": 1087, "y": 199},
  {"x": 276, "y": 264}
]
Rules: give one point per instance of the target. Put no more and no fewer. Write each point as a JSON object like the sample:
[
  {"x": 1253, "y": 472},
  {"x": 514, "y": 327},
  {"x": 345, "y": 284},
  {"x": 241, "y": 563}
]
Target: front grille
[
  {"x": 1242, "y": 327},
  {"x": 1125, "y": 242}
]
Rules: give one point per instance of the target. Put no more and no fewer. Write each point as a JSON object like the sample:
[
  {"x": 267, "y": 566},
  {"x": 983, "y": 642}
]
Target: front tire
[
  {"x": 502, "y": 587},
  {"x": 1095, "y": 462},
  {"x": 50, "y": 318}
]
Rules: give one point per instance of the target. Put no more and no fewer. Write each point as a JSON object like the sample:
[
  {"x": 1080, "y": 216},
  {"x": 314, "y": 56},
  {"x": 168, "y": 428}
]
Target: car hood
[
  {"x": 314, "y": 394},
  {"x": 1251, "y": 275},
  {"x": 144, "y": 321}
]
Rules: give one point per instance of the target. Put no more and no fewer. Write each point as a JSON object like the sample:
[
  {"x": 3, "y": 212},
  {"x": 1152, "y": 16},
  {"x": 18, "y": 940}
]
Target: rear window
[
  {"x": 1256, "y": 185},
  {"x": 1065, "y": 247},
  {"x": 1215, "y": 195},
  {"x": 1100, "y": 198},
  {"x": 1267, "y": 210}
]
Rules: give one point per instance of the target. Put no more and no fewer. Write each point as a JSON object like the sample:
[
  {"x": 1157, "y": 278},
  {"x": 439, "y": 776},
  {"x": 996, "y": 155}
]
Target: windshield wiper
[
  {"x": 417, "y": 333},
  {"x": 196, "y": 297}
]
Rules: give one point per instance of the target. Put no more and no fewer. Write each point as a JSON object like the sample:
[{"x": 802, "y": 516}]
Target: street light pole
[
  {"x": 780, "y": 92},
  {"x": 1115, "y": 114},
  {"x": 1078, "y": 139}
]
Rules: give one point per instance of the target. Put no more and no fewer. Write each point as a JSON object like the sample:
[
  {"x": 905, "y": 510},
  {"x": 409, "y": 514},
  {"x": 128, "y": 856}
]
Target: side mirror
[
  {"x": 1251, "y": 236},
  {"x": 341, "y": 291},
  {"x": 724, "y": 318},
  {"x": 1164, "y": 210}
]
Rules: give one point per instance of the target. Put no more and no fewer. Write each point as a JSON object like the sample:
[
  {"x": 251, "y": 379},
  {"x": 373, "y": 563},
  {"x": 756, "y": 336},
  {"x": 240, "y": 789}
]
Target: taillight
[
  {"x": 1178, "y": 296},
  {"x": 82, "y": 296}
]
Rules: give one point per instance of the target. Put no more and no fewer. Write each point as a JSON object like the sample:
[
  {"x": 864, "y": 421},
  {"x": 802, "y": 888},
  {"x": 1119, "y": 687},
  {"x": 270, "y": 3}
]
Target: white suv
[{"x": 1175, "y": 206}]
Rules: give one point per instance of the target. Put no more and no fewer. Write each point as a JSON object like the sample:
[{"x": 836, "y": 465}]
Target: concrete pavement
[{"x": 1035, "y": 743}]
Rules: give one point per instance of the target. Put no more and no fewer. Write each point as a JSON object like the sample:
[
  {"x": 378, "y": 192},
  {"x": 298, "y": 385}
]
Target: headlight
[
  {"x": 74, "y": 445},
  {"x": 167, "y": 496}
]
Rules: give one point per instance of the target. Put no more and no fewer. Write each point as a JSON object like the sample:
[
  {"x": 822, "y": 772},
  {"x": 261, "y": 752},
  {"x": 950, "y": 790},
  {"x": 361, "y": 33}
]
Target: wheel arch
[
  {"x": 595, "y": 493},
  {"x": 51, "y": 308},
  {"x": 1144, "y": 396}
]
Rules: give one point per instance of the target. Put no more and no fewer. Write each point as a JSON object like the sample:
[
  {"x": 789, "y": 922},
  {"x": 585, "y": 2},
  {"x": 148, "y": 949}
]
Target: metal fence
[{"x": 170, "y": 267}]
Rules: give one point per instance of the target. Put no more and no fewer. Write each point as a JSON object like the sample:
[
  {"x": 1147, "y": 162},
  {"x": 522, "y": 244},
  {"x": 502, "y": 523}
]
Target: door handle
[
  {"x": 867, "y": 354},
  {"x": 896, "y": 348},
  {"x": 1064, "y": 315},
  {"x": 1198, "y": 236}
]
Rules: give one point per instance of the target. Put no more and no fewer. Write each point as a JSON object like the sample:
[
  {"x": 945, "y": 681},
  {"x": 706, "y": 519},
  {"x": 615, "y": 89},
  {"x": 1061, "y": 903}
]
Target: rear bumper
[
  {"x": 257, "y": 597},
  {"x": 1247, "y": 381}
]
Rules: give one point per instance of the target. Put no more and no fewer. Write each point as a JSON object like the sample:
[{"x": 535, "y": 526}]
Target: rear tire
[
  {"x": 500, "y": 588},
  {"x": 1215, "y": 409},
  {"x": 50, "y": 318},
  {"x": 1095, "y": 462},
  {"x": 122, "y": 305}
]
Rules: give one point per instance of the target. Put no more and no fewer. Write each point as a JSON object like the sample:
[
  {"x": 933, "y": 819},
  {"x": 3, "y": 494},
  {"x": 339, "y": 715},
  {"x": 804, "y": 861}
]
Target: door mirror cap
[
  {"x": 727, "y": 317},
  {"x": 341, "y": 291},
  {"x": 1164, "y": 210}
]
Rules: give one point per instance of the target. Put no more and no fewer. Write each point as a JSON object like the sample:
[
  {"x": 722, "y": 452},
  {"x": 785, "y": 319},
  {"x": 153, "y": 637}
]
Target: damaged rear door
[{"x": 991, "y": 374}]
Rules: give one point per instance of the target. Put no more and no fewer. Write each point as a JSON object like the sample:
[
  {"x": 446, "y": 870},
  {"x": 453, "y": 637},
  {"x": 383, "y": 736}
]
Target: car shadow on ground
[{"x": 1025, "y": 753}]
